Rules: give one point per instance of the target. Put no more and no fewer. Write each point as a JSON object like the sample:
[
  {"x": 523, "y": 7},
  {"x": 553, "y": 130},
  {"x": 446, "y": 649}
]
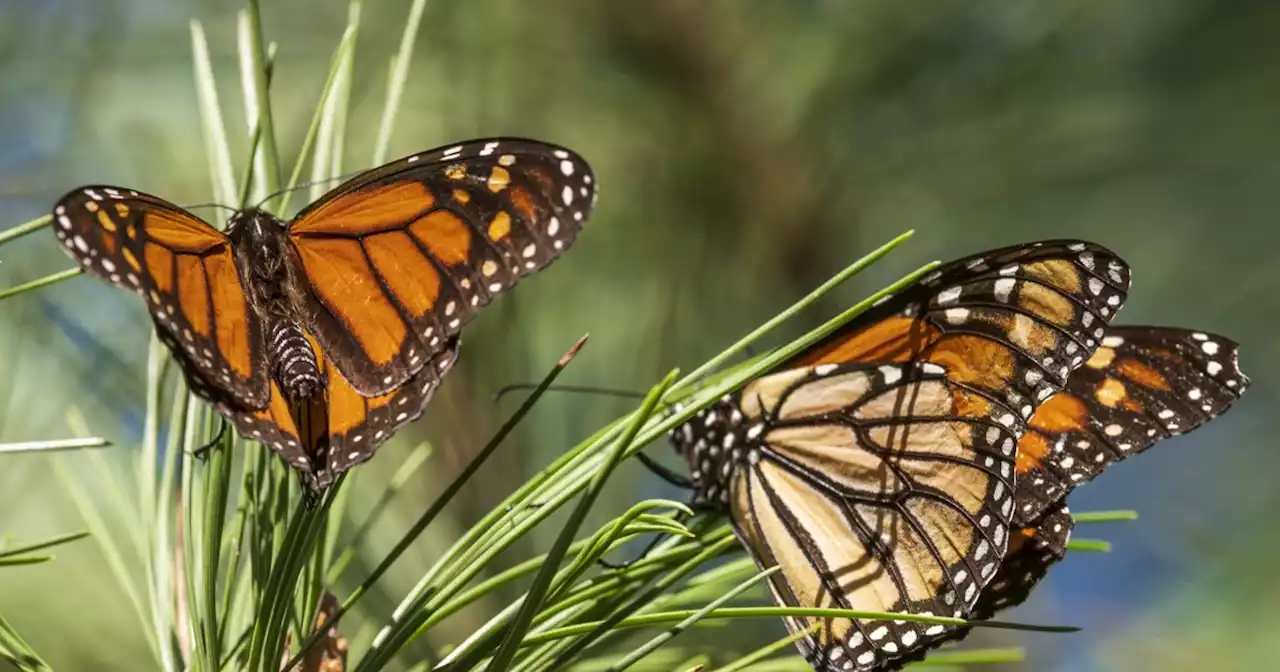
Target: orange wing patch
[
  {"x": 181, "y": 233},
  {"x": 159, "y": 265},
  {"x": 445, "y": 235},
  {"x": 1143, "y": 385},
  {"x": 365, "y": 211},
  {"x": 409, "y": 274},
  {"x": 230, "y": 313},
  {"x": 343, "y": 280},
  {"x": 193, "y": 293}
]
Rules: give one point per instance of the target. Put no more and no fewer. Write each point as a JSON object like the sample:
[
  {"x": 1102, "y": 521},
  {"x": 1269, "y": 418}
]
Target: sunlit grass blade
[
  {"x": 648, "y": 647},
  {"x": 54, "y": 445},
  {"x": 1105, "y": 516},
  {"x": 25, "y": 560},
  {"x": 676, "y": 616},
  {"x": 341, "y": 59},
  {"x": 215, "y": 133},
  {"x": 438, "y": 505},
  {"x": 253, "y": 74},
  {"x": 794, "y": 309},
  {"x": 41, "y": 545},
  {"x": 107, "y": 544},
  {"x": 403, "y": 473},
  {"x": 970, "y": 657},
  {"x": 16, "y": 232},
  {"x": 272, "y": 620},
  {"x": 41, "y": 282},
  {"x": 1089, "y": 546},
  {"x": 15, "y": 651},
  {"x": 396, "y": 82},
  {"x": 768, "y": 650}
]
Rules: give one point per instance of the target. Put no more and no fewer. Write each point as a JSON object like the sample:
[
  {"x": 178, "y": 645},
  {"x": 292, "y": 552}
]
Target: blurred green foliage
[{"x": 746, "y": 150}]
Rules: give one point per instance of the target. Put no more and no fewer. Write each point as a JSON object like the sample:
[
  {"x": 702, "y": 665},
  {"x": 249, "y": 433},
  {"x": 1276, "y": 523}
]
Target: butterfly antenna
[
  {"x": 309, "y": 183},
  {"x": 580, "y": 389}
]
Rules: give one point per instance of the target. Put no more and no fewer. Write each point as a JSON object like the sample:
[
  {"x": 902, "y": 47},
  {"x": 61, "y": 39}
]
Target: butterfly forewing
[
  {"x": 875, "y": 487},
  {"x": 1143, "y": 385},
  {"x": 1012, "y": 323},
  {"x": 183, "y": 268},
  {"x": 399, "y": 258}
]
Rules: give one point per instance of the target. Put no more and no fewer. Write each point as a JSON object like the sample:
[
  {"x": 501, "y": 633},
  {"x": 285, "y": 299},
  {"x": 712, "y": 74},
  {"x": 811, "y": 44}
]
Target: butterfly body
[{"x": 322, "y": 335}]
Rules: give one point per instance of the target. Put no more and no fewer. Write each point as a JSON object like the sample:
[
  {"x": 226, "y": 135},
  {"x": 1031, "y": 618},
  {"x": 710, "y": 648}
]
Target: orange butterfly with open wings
[{"x": 323, "y": 335}]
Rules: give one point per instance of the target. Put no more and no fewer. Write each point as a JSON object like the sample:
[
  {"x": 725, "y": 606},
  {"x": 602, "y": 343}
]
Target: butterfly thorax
[
  {"x": 716, "y": 443},
  {"x": 267, "y": 271},
  {"x": 262, "y": 255}
]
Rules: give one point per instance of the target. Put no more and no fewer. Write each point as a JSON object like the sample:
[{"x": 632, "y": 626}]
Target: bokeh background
[{"x": 745, "y": 150}]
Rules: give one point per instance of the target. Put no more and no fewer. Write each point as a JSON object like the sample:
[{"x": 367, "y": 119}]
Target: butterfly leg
[
  {"x": 657, "y": 539},
  {"x": 203, "y": 451},
  {"x": 679, "y": 480},
  {"x": 698, "y": 507}
]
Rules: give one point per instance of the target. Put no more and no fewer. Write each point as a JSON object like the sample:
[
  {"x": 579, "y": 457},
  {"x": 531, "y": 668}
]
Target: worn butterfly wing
[
  {"x": 1013, "y": 322},
  {"x": 875, "y": 487},
  {"x": 1031, "y": 552},
  {"x": 1143, "y": 385},
  {"x": 999, "y": 332},
  {"x": 399, "y": 258},
  {"x": 183, "y": 268},
  {"x": 344, "y": 428}
]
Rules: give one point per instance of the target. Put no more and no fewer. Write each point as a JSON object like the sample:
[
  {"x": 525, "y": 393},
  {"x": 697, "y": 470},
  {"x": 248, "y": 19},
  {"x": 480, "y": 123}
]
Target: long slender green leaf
[
  {"x": 41, "y": 282},
  {"x": 442, "y": 500},
  {"x": 215, "y": 132},
  {"x": 41, "y": 545},
  {"x": 52, "y": 445},
  {"x": 395, "y": 85},
  {"x": 648, "y": 647},
  {"x": 16, "y": 232}
]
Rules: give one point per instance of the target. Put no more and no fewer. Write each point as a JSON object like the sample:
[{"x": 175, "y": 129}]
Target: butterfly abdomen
[{"x": 294, "y": 361}]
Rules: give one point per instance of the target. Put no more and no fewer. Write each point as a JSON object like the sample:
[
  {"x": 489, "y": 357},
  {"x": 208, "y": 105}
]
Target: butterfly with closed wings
[
  {"x": 321, "y": 336},
  {"x": 877, "y": 468}
]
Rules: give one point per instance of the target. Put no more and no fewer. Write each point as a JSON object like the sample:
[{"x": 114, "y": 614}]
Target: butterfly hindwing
[
  {"x": 399, "y": 258},
  {"x": 881, "y": 487},
  {"x": 184, "y": 270},
  {"x": 1143, "y": 385},
  {"x": 347, "y": 428}
]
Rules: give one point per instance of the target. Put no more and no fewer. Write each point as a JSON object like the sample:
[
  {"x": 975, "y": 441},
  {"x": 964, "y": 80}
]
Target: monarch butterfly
[
  {"x": 877, "y": 467},
  {"x": 1143, "y": 385},
  {"x": 322, "y": 336}
]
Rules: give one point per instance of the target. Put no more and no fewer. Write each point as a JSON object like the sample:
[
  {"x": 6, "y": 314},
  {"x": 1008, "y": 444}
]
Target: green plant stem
[
  {"x": 1089, "y": 546},
  {"x": 653, "y": 644},
  {"x": 340, "y": 57},
  {"x": 768, "y": 650},
  {"x": 795, "y": 308},
  {"x": 542, "y": 582},
  {"x": 47, "y": 543},
  {"x": 775, "y": 612},
  {"x": 16, "y": 232},
  {"x": 1104, "y": 516},
  {"x": 254, "y": 69},
  {"x": 53, "y": 445},
  {"x": 442, "y": 500},
  {"x": 41, "y": 282},
  {"x": 399, "y": 76}
]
